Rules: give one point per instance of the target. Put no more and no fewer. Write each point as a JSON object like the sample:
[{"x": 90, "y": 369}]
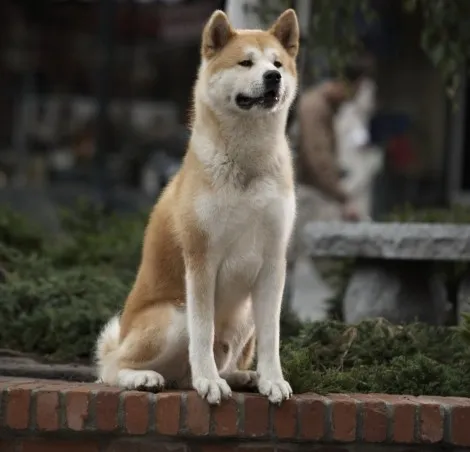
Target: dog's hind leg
[
  {"x": 134, "y": 361},
  {"x": 239, "y": 376}
]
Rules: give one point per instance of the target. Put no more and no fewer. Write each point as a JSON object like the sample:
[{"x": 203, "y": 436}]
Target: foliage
[
  {"x": 375, "y": 356},
  {"x": 465, "y": 327},
  {"x": 445, "y": 36},
  {"x": 58, "y": 293},
  {"x": 19, "y": 233},
  {"x": 54, "y": 307},
  {"x": 58, "y": 314}
]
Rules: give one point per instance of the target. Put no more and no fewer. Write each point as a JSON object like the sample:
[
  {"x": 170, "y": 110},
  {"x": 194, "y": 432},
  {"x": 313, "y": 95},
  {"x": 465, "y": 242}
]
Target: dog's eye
[
  {"x": 246, "y": 63},
  {"x": 278, "y": 64}
]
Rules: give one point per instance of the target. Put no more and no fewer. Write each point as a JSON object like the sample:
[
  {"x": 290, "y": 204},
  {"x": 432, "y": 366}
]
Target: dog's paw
[
  {"x": 275, "y": 390},
  {"x": 242, "y": 379},
  {"x": 213, "y": 390},
  {"x": 145, "y": 380}
]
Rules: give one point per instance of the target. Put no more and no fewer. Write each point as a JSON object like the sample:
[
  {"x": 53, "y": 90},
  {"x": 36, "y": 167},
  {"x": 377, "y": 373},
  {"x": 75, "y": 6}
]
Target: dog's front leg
[
  {"x": 200, "y": 291},
  {"x": 267, "y": 299}
]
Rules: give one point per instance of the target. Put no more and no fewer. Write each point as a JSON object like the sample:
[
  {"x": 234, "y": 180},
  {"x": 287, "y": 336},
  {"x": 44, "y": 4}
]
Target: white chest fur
[{"x": 244, "y": 227}]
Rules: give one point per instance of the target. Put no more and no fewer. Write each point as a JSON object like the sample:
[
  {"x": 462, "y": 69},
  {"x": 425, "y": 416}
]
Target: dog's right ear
[{"x": 217, "y": 33}]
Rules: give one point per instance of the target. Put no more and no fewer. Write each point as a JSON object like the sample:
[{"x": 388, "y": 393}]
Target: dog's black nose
[{"x": 272, "y": 79}]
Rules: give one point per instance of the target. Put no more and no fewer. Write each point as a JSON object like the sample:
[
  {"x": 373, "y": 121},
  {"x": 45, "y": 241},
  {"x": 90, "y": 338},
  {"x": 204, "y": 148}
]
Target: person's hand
[{"x": 349, "y": 212}]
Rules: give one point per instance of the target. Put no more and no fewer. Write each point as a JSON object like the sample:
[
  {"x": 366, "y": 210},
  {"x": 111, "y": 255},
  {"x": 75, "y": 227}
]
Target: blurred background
[
  {"x": 95, "y": 94},
  {"x": 94, "y": 106}
]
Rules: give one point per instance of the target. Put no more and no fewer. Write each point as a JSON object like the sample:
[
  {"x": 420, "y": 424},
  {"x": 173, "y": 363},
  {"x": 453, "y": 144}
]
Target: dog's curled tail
[{"x": 107, "y": 346}]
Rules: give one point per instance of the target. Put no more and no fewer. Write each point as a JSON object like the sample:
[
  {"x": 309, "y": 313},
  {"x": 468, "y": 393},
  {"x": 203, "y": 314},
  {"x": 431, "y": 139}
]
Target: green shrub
[
  {"x": 94, "y": 238},
  {"x": 58, "y": 295},
  {"x": 375, "y": 356},
  {"x": 19, "y": 233},
  {"x": 58, "y": 315}
]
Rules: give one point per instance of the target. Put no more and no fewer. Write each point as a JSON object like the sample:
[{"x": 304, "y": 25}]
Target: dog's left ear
[
  {"x": 217, "y": 33},
  {"x": 286, "y": 30}
]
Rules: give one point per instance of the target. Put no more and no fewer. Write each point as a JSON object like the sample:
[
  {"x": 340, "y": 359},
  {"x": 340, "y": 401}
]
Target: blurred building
[
  {"x": 63, "y": 63},
  {"x": 83, "y": 79},
  {"x": 427, "y": 159}
]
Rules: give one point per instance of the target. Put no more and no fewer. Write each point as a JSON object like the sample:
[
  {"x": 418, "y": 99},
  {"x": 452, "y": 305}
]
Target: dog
[{"x": 209, "y": 287}]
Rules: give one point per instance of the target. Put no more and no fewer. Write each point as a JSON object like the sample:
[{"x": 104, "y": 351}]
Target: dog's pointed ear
[
  {"x": 217, "y": 33},
  {"x": 286, "y": 30}
]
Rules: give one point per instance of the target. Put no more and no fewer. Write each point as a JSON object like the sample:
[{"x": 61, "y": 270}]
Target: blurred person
[
  {"x": 360, "y": 159},
  {"x": 318, "y": 164},
  {"x": 320, "y": 192},
  {"x": 321, "y": 195}
]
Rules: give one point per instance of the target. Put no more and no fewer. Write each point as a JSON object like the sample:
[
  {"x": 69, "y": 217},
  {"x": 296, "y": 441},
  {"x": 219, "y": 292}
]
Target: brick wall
[{"x": 53, "y": 416}]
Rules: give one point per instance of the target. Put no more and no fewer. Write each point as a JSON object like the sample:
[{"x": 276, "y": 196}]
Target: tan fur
[{"x": 214, "y": 249}]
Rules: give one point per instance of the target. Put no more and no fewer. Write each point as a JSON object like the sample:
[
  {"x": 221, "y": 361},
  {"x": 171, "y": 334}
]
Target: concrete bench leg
[
  {"x": 463, "y": 297},
  {"x": 399, "y": 291}
]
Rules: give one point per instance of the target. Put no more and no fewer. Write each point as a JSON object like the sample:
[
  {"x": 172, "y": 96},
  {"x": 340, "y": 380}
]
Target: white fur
[
  {"x": 221, "y": 89},
  {"x": 140, "y": 379},
  {"x": 107, "y": 343}
]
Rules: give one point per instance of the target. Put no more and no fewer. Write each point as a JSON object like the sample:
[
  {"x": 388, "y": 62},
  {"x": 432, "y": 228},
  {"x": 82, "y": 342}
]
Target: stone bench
[{"x": 395, "y": 274}]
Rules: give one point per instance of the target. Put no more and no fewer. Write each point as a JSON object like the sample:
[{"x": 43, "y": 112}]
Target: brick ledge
[{"x": 44, "y": 407}]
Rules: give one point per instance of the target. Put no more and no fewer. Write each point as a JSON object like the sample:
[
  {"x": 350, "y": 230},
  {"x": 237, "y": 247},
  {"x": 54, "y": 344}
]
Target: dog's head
[{"x": 249, "y": 71}]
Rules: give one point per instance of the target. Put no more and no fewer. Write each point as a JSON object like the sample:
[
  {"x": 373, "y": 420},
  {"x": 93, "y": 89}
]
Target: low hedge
[
  {"x": 58, "y": 292},
  {"x": 375, "y": 356}
]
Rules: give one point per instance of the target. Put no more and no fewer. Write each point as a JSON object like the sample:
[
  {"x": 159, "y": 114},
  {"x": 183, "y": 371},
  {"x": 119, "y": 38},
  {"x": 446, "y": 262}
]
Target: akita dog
[{"x": 214, "y": 253}]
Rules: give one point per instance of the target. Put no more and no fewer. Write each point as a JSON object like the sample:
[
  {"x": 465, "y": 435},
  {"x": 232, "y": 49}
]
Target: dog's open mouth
[{"x": 267, "y": 100}]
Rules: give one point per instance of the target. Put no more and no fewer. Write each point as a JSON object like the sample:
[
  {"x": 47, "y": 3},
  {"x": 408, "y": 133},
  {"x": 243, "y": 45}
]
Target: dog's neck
[
  {"x": 246, "y": 147},
  {"x": 236, "y": 133}
]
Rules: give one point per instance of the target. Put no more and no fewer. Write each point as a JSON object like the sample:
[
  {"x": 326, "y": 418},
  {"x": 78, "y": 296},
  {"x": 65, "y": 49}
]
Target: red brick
[
  {"x": 10, "y": 383},
  {"x": 312, "y": 414},
  {"x": 218, "y": 448},
  {"x": 256, "y": 415},
  {"x": 7, "y": 445},
  {"x": 159, "y": 447},
  {"x": 285, "y": 419},
  {"x": 98, "y": 387},
  {"x": 122, "y": 445},
  {"x": 431, "y": 420},
  {"x": 106, "y": 409},
  {"x": 168, "y": 413},
  {"x": 57, "y": 446},
  {"x": 404, "y": 417},
  {"x": 198, "y": 414},
  {"x": 136, "y": 412},
  {"x": 343, "y": 414},
  {"x": 137, "y": 445},
  {"x": 374, "y": 418},
  {"x": 76, "y": 408},
  {"x": 225, "y": 418},
  {"x": 256, "y": 448},
  {"x": 460, "y": 421},
  {"x": 18, "y": 399},
  {"x": 47, "y": 410},
  {"x": 17, "y": 410},
  {"x": 331, "y": 449}
]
